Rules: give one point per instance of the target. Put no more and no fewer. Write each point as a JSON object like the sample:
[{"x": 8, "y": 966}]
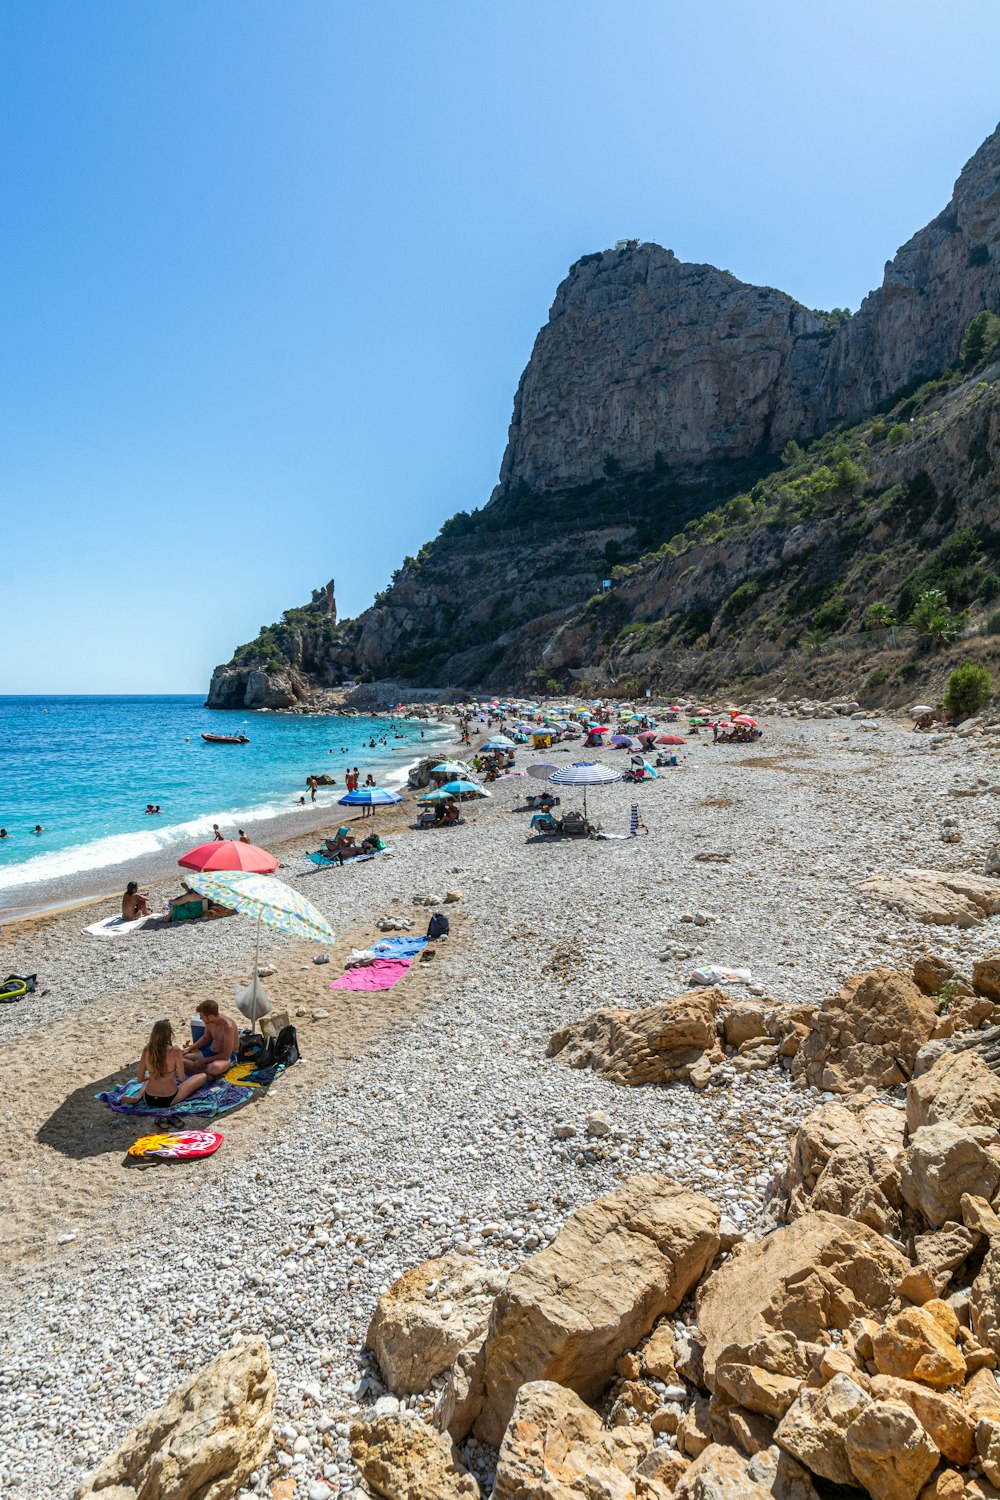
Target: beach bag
[
  {"x": 251, "y": 1046},
  {"x": 438, "y": 926},
  {"x": 286, "y": 1048}
]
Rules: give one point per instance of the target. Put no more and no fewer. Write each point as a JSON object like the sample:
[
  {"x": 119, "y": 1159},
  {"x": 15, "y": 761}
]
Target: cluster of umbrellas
[{"x": 241, "y": 877}]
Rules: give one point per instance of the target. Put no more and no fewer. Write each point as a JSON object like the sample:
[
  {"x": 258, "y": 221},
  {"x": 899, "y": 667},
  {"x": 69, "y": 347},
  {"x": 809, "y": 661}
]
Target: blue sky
[{"x": 269, "y": 272}]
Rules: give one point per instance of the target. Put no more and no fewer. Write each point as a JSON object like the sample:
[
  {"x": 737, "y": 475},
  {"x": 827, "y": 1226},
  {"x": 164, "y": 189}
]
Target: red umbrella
[
  {"x": 671, "y": 739},
  {"x": 647, "y": 734},
  {"x": 744, "y": 719},
  {"x": 227, "y": 854}
]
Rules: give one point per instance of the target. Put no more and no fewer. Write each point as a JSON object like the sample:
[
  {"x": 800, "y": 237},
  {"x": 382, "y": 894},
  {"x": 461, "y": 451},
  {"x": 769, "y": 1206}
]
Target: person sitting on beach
[
  {"x": 216, "y": 1054},
  {"x": 161, "y": 1070},
  {"x": 133, "y": 904},
  {"x": 187, "y": 898},
  {"x": 343, "y": 843},
  {"x": 243, "y": 838},
  {"x": 451, "y": 811}
]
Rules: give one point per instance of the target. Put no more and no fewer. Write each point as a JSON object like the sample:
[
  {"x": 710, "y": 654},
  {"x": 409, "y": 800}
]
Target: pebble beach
[{"x": 428, "y": 1118}]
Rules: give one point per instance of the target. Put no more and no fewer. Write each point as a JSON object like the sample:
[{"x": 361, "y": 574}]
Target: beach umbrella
[
  {"x": 369, "y": 796},
  {"x": 621, "y": 742},
  {"x": 229, "y": 854},
  {"x": 585, "y": 774},
  {"x": 498, "y": 742},
  {"x": 450, "y": 768},
  {"x": 541, "y": 772},
  {"x": 744, "y": 719},
  {"x": 671, "y": 739},
  {"x": 464, "y": 789},
  {"x": 647, "y": 734},
  {"x": 270, "y": 902},
  {"x": 919, "y": 709},
  {"x": 438, "y": 795}
]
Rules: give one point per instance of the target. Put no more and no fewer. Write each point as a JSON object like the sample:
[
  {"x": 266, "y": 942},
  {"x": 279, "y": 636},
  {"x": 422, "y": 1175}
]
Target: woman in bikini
[{"x": 161, "y": 1070}]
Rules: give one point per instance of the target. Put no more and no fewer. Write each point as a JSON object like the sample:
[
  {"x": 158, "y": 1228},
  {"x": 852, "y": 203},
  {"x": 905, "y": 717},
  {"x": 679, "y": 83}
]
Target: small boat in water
[{"x": 227, "y": 739}]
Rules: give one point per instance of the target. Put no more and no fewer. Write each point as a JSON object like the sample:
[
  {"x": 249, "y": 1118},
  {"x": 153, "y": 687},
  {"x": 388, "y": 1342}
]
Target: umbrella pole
[{"x": 256, "y": 964}]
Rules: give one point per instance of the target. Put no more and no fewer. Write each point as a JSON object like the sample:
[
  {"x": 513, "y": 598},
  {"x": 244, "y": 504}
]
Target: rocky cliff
[{"x": 656, "y": 392}]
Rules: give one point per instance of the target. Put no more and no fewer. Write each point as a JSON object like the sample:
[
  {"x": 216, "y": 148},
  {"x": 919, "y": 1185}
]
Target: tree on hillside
[
  {"x": 969, "y": 689},
  {"x": 933, "y": 620},
  {"x": 879, "y": 617},
  {"x": 981, "y": 342},
  {"x": 849, "y": 476}
]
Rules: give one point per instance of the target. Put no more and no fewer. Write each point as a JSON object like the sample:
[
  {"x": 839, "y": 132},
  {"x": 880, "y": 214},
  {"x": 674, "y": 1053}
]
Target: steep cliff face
[
  {"x": 655, "y": 393},
  {"x": 643, "y": 354}
]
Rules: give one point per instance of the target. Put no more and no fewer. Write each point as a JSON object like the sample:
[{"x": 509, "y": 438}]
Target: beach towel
[
  {"x": 380, "y": 975},
  {"x": 117, "y": 926},
  {"x": 215, "y": 1099},
  {"x": 398, "y": 947}
]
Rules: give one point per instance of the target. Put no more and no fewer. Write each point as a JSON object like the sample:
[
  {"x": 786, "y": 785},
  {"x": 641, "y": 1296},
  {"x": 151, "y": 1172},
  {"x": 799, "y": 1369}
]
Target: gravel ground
[{"x": 440, "y": 1133}]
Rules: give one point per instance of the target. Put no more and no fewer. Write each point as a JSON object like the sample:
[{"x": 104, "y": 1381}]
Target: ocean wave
[{"x": 121, "y": 848}]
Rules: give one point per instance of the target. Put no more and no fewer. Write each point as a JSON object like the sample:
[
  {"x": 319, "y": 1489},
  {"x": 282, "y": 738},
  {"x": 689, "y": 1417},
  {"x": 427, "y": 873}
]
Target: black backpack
[
  {"x": 286, "y": 1046},
  {"x": 438, "y": 926}
]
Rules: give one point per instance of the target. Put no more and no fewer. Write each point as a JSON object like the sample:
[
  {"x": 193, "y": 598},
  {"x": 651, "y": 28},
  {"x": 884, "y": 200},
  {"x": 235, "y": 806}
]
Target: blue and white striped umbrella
[
  {"x": 584, "y": 774},
  {"x": 369, "y": 796}
]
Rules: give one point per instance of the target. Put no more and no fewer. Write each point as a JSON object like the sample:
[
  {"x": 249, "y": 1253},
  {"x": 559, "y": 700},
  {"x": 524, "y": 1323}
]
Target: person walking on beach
[{"x": 311, "y": 784}]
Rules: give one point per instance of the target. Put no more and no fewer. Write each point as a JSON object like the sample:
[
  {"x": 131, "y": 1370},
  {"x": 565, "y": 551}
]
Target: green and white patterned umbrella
[{"x": 268, "y": 901}]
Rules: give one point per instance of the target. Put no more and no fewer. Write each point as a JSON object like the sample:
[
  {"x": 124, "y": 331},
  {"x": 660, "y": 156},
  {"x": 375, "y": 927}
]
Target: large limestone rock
[
  {"x": 556, "y": 1448},
  {"x": 819, "y": 1273},
  {"x": 402, "y": 1458},
  {"x": 843, "y": 1159},
  {"x": 940, "y": 1166},
  {"x": 944, "y": 1418},
  {"x": 766, "y": 1376},
  {"x": 984, "y": 1310},
  {"x": 960, "y": 1089},
  {"x": 921, "y": 1343},
  {"x": 658, "y": 1044},
  {"x": 206, "y": 1439},
  {"x": 614, "y": 1269},
  {"x": 720, "y": 1473},
  {"x": 889, "y": 1452},
  {"x": 946, "y": 898},
  {"x": 426, "y": 1317},
  {"x": 814, "y": 1428},
  {"x": 868, "y": 1033}
]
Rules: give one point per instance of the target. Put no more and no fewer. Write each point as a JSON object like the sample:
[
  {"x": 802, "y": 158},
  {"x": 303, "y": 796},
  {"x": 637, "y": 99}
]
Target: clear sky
[{"x": 270, "y": 269}]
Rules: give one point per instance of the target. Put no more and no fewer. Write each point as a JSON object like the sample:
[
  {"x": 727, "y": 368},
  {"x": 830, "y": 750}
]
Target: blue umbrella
[
  {"x": 439, "y": 795},
  {"x": 462, "y": 788},
  {"x": 369, "y": 796}
]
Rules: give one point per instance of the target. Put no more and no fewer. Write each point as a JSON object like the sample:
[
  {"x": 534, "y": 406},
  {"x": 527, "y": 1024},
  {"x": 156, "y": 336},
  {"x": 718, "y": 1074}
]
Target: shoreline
[{"x": 60, "y": 893}]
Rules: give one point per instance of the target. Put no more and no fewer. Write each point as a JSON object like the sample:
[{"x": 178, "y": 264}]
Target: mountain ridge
[{"x": 656, "y": 393}]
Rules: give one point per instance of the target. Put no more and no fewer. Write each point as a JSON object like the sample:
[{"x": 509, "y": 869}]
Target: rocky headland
[{"x": 750, "y": 475}]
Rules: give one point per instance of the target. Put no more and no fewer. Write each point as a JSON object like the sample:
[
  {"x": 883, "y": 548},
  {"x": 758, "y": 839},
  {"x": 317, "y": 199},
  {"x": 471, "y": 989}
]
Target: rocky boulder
[
  {"x": 940, "y": 1166},
  {"x": 657, "y": 1044},
  {"x": 819, "y": 1273},
  {"x": 814, "y": 1428},
  {"x": 921, "y": 1343},
  {"x": 986, "y": 976},
  {"x": 951, "y": 898},
  {"x": 959, "y": 1089},
  {"x": 204, "y": 1442},
  {"x": 720, "y": 1473},
  {"x": 889, "y": 1453},
  {"x": 426, "y": 1317},
  {"x": 868, "y": 1033},
  {"x": 568, "y": 1313},
  {"x": 402, "y": 1458},
  {"x": 556, "y": 1448}
]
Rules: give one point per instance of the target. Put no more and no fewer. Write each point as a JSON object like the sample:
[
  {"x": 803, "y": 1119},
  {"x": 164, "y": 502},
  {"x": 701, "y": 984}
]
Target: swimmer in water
[{"x": 38, "y": 828}]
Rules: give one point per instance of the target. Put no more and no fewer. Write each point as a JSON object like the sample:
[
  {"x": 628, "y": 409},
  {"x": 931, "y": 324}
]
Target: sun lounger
[{"x": 575, "y": 824}]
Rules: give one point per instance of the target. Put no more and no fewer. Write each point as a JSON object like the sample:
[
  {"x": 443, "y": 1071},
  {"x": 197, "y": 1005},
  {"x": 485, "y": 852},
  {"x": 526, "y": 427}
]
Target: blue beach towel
[
  {"x": 398, "y": 947},
  {"x": 217, "y": 1099}
]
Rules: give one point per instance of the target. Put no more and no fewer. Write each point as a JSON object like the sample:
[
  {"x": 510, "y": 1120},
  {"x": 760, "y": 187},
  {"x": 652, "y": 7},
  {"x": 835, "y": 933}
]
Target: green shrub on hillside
[
  {"x": 981, "y": 341},
  {"x": 742, "y": 597},
  {"x": 898, "y": 432},
  {"x": 969, "y": 688}
]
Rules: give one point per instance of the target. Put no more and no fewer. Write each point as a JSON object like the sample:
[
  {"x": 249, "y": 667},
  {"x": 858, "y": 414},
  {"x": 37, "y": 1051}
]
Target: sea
[{"x": 85, "y": 768}]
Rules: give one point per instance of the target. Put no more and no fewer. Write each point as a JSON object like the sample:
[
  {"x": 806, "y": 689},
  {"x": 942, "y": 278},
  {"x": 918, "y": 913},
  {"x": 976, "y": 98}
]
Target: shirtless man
[
  {"x": 133, "y": 904},
  {"x": 218, "y": 1051}
]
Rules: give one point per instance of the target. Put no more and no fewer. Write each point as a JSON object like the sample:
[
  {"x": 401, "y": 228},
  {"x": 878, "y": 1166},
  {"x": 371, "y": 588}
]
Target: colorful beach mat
[
  {"x": 380, "y": 975},
  {"x": 215, "y": 1099}
]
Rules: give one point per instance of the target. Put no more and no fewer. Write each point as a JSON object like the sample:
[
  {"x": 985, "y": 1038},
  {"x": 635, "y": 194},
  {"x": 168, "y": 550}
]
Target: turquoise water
[{"x": 85, "y": 767}]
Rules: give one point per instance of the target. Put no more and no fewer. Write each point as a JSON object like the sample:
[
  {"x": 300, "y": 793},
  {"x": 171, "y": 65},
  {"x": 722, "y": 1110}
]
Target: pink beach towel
[{"x": 380, "y": 975}]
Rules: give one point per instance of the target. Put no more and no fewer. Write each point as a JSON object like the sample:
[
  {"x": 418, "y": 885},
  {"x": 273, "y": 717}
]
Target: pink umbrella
[
  {"x": 744, "y": 719},
  {"x": 647, "y": 734},
  {"x": 227, "y": 854},
  {"x": 671, "y": 739}
]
